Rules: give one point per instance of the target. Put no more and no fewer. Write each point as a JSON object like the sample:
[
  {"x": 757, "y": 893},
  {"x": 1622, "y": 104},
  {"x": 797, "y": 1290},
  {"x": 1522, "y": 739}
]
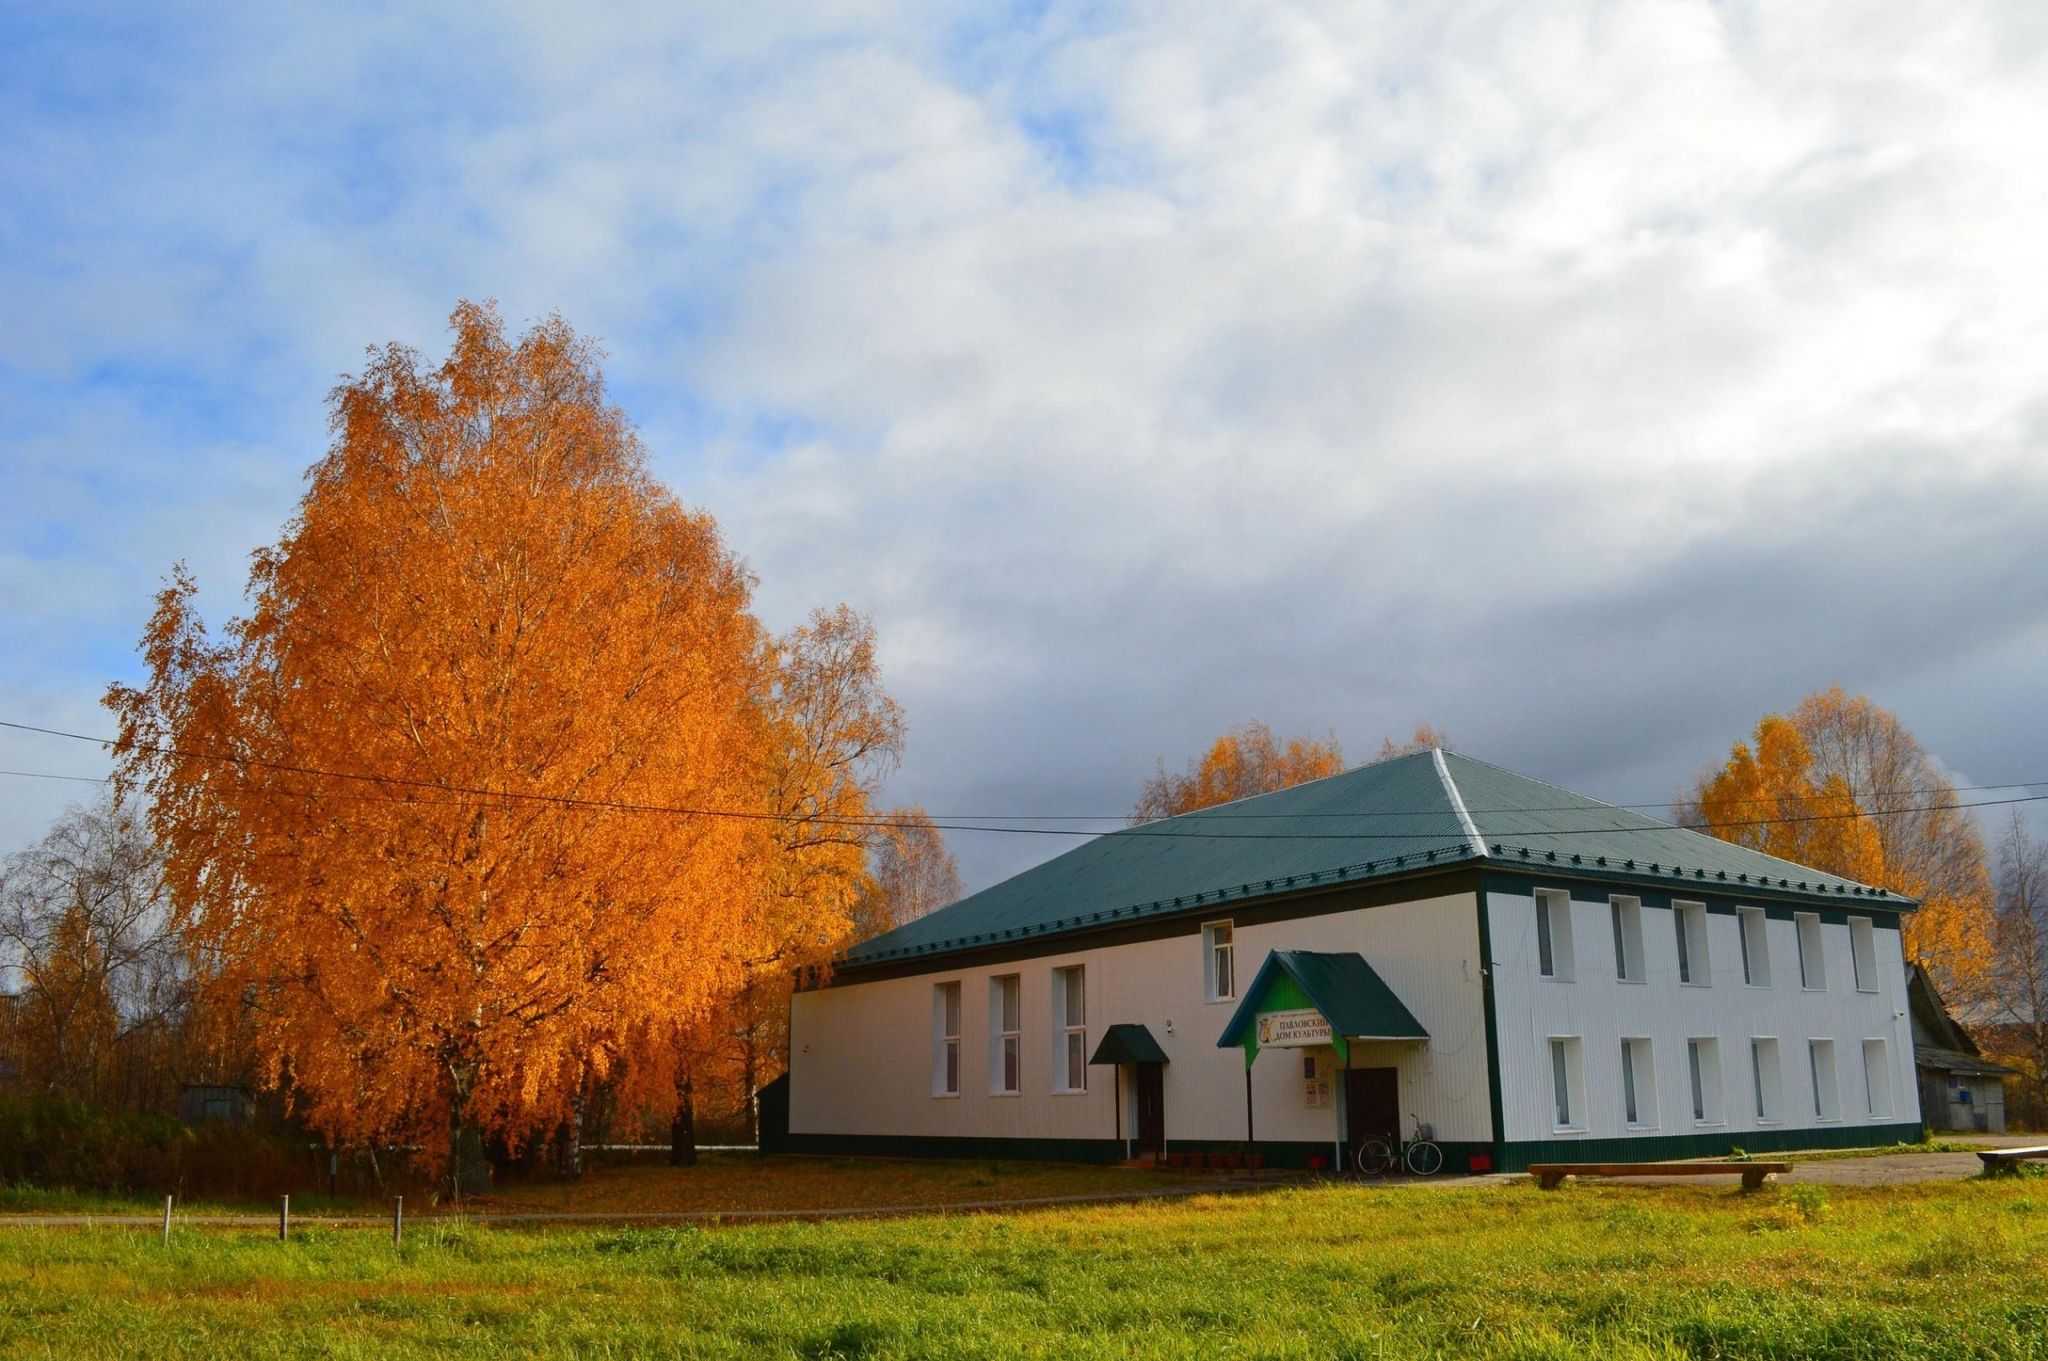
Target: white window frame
[
  {"x": 1767, "y": 1080},
  {"x": 1639, "y": 1083},
  {"x": 1567, "y": 1085},
  {"x": 1754, "y": 927},
  {"x": 1877, "y": 1079},
  {"x": 1827, "y": 1083},
  {"x": 1813, "y": 955},
  {"x": 1689, "y": 928},
  {"x": 1554, "y": 929},
  {"x": 1863, "y": 952},
  {"x": 946, "y": 1039},
  {"x": 1219, "y": 961},
  {"x": 1006, "y": 1035},
  {"x": 1069, "y": 1028},
  {"x": 1703, "y": 1075},
  {"x": 1625, "y": 924}
]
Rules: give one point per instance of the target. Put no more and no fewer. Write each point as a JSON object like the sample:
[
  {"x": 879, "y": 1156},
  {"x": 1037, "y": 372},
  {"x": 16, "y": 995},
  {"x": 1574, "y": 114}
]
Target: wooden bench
[
  {"x": 2009, "y": 1159},
  {"x": 1548, "y": 1175}
]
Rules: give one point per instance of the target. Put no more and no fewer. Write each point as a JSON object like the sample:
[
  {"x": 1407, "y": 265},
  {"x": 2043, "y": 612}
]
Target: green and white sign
[{"x": 1293, "y": 1029}]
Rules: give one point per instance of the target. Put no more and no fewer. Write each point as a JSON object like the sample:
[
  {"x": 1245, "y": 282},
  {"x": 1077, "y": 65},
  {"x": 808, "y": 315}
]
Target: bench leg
[
  {"x": 1753, "y": 1178},
  {"x": 1549, "y": 1181}
]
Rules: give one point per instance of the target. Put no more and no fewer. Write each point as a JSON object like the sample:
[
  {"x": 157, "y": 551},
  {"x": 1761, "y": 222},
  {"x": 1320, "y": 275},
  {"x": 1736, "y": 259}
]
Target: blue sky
[{"x": 1587, "y": 379}]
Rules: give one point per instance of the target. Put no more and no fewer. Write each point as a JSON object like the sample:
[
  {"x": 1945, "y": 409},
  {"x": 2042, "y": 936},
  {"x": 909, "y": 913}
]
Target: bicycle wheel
[
  {"x": 1375, "y": 1158},
  {"x": 1425, "y": 1159}
]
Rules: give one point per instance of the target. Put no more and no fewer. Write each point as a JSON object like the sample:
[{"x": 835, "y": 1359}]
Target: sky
[{"x": 1585, "y": 379}]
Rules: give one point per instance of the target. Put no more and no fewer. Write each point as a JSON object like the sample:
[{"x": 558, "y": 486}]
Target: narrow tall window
[
  {"x": 1863, "y": 952},
  {"x": 1565, "y": 1080},
  {"x": 1554, "y": 933},
  {"x": 1756, "y": 947},
  {"x": 1813, "y": 968},
  {"x": 1690, "y": 923},
  {"x": 1638, "y": 1084},
  {"x": 946, "y": 1039},
  {"x": 1827, "y": 1091},
  {"x": 1766, "y": 1084},
  {"x": 1219, "y": 961},
  {"x": 1703, "y": 1061},
  {"x": 1005, "y": 1029},
  {"x": 1877, "y": 1080},
  {"x": 1070, "y": 1016},
  {"x": 1625, "y": 915}
]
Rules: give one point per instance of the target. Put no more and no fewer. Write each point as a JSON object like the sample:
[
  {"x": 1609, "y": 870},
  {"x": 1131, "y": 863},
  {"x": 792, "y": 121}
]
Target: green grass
[{"x": 1952, "y": 1270}]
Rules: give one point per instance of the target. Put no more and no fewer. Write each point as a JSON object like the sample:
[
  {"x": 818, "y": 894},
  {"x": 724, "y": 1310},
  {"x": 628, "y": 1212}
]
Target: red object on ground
[{"x": 1480, "y": 1162}]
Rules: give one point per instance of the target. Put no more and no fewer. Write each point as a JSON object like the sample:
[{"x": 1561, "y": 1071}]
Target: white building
[{"x": 1530, "y": 973}]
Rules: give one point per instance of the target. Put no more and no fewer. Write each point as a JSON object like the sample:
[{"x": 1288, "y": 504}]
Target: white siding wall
[
  {"x": 1602, "y": 1011},
  {"x": 861, "y": 1062}
]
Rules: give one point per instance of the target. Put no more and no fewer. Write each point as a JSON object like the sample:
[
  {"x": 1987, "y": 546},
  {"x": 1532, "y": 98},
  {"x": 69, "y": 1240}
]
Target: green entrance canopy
[
  {"x": 1128, "y": 1044},
  {"x": 1341, "y": 988}
]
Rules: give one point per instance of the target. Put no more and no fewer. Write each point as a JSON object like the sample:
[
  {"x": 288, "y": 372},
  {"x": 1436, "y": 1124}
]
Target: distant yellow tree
[
  {"x": 913, "y": 873},
  {"x": 1426, "y": 737},
  {"x": 1840, "y": 784},
  {"x": 1245, "y": 761}
]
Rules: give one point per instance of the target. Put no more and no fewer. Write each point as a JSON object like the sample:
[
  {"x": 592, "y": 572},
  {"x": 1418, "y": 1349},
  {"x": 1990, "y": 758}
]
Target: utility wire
[{"x": 954, "y": 824}]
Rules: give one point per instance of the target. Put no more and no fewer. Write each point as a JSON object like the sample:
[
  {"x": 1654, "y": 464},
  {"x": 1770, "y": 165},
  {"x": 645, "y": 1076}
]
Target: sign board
[{"x": 1293, "y": 1029}]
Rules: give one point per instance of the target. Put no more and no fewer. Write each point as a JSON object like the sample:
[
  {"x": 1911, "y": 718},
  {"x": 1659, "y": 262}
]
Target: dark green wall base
[
  {"x": 1516, "y": 1157},
  {"x": 1288, "y": 1154}
]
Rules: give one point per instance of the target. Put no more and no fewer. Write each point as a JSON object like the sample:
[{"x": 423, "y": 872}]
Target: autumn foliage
[
  {"x": 1840, "y": 784},
  {"x": 1245, "y": 761},
  {"x": 500, "y": 783}
]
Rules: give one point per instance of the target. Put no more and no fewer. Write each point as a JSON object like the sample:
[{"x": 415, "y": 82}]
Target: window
[
  {"x": 1626, "y": 917},
  {"x": 1877, "y": 1080},
  {"x": 1863, "y": 952},
  {"x": 1566, "y": 1081},
  {"x": 1767, "y": 1084},
  {"x": 946, "y": 1039},
  {"x": 1756, "y": 947},
  {"x": 1005, "y": 1036},
  {"x": 1554, "y": 933},
  {"x": 1219, "y": 964},
  {"x": 1703, "y": 1062},
  {"x": 1813, "y": 969},
  {"x": 1689, "y": 920},
  {"x": 1070, "y": 1034},
  {"x": 1638, "y": 1084},
  {"x": 1827, "y": 1093}
]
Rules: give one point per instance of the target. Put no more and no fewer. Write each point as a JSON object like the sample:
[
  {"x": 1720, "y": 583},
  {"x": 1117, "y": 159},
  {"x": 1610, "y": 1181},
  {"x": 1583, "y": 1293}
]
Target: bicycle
[{"x": 1379, "y": 1156}]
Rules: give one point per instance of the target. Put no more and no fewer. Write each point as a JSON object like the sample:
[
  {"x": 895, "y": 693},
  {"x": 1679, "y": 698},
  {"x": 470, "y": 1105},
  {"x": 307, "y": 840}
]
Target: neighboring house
[
  {"x": 207, "y": 1104},
  {"x": 1960, "y": 1089},
  {"x": 1530, "y": 973}
]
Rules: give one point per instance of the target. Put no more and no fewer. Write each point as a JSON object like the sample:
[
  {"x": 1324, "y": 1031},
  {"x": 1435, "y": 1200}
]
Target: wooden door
[
  {"x": 1372, "y": 1106},
  {"x": 1151, "y": 1092}
]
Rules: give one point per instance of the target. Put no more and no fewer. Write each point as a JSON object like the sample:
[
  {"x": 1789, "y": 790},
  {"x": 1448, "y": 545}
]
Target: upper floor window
[
  {"x": 946, "y": 1039},
  {"x": 1070, "y": 1032},
  {"x": 1625, "y": 915},
  {"x": 1863, "y": 953},
  {"x": 1554, "y": 933},
  {"x": 1219, "y": 962},
  {"x": 1813, "y": 966},
  {"x": 1756, "y": 947},
  {"x": 1690, "y": 923}
]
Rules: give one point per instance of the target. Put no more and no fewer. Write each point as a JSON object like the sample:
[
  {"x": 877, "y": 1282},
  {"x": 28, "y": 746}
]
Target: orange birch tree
[
  {"x": 1245, "y": 761},
  {"x": 418, "y": 808}
]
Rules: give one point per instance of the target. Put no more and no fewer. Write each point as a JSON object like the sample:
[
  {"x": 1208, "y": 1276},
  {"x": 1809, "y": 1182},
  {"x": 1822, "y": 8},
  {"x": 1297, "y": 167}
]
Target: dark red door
[
  {"x": 1372, "y": 1106},
  {"x": 1151, "y": 1108}
]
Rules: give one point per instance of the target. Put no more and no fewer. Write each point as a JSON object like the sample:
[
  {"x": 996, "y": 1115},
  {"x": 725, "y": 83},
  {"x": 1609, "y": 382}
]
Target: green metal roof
[
  {"x": 1343, "y": 987},
  {"x": 1128, "y": 1043},
  {"x": 1431, "y": 810}
]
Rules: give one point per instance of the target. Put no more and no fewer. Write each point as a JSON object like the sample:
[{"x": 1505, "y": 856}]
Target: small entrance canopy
[
  {"x": 1128, "y": 1044},
  {"x": 1306, "y": 997}
]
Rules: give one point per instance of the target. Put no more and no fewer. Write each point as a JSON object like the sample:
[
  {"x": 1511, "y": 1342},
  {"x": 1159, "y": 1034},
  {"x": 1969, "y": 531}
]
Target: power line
[{"x": 956, "y": 822}]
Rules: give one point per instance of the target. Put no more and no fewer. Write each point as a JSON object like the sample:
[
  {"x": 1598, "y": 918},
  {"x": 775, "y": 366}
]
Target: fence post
[
  {"x": 284, "y": 1217},
  {"x": 167, "y": 1221},
  {"x": 397, "y": 1220}
]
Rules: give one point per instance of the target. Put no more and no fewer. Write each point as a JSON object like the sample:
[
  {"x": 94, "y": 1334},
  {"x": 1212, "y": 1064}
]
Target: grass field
[{"x": 1953, "y": 1270}]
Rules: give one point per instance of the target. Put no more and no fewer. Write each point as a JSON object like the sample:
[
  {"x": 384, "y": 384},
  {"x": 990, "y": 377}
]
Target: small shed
[
  {"x": 210, "y": 1104},
  {"x": 1960, "y": 1089}
]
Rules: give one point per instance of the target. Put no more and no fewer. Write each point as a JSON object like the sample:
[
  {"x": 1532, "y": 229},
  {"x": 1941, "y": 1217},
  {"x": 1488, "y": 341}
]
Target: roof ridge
[
  {"x": 1572, "y": 793},
  {"x": 1457, "y": 798},
  {"x": 1269, "y": 793}
]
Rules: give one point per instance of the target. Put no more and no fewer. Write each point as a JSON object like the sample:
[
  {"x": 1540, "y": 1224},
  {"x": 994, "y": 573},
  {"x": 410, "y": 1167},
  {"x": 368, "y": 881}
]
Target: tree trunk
[
  {"x": 750, "y": 1075},
  {"x": 569, "y": 1142},
  {"x": 682, "y": 1126},
  {"x": 469, "y": 1170}
]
